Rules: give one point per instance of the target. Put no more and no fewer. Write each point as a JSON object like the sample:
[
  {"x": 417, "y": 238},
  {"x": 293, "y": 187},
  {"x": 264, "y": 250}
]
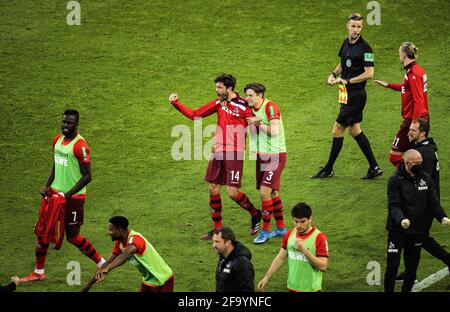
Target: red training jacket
[
  {"x": 51, "y": 211},
  {"x": 414, "y": 92}
]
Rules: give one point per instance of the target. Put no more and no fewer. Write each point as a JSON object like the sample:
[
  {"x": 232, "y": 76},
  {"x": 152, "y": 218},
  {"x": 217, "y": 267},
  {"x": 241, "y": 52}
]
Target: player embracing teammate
[
  {"x": 267, "y": 139},
  {"x": 225, "y": 166}
]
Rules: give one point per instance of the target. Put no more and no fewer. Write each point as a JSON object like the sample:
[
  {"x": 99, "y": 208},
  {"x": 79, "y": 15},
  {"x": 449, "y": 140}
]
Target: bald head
[
  {"x": 413, "y": 161},
  {"x": 412, "y": 155}
]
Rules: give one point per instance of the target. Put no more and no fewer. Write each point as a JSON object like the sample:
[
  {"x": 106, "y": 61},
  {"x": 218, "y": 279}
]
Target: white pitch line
[{"x": 433, "y": 278}]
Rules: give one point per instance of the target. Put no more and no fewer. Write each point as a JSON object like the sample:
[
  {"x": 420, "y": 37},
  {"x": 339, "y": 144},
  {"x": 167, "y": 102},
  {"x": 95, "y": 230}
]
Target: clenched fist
[{"x": 173, "y": 97}]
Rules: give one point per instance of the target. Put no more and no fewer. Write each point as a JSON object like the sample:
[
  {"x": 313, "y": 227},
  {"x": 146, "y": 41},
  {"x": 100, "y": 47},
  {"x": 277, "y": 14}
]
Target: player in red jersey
[
  {"x": 414, "y": 99},
  {"x": 226, "y": 162},
  {"x": 70, "y": 174}
]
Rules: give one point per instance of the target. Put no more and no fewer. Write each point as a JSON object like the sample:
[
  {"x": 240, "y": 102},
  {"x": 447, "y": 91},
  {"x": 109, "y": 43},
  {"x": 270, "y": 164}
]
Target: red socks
[
  {"x": 278, "y": 212},
  {"x": 267, "y": 207},
  {"x": 243, "y": 201},
  {"x": 85, "y": 246},
  {"x": 215, "y": 204},
  {"x": 40, "y": 252}
]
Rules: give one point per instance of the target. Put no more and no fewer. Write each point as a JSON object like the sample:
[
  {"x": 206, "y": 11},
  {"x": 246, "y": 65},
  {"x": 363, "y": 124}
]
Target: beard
[
  {"x": 223, "y": 96},
  {"x": 113, "y": 238}
]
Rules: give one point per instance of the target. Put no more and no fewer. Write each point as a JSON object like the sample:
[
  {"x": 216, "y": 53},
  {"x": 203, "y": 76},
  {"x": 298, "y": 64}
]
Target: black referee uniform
[
  {"x": 413, "y": 198},
  {"x": 354, "y": 57}
]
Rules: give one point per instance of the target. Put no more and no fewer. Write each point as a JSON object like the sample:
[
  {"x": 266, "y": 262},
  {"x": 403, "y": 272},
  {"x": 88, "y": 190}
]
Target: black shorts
[{"x": 352, "y": 112}]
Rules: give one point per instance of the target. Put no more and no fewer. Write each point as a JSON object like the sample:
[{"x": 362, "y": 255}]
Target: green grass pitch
[{"x": 118, "y": 68}]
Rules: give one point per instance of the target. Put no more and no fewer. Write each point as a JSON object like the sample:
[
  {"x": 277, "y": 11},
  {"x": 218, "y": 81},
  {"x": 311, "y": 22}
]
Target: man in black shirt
[
  {"x": 355, "y": 68},
  {"x": 412, "y": 200},
  {"x": 427, "y": 148},
  {"x": 234, "y": 272}
]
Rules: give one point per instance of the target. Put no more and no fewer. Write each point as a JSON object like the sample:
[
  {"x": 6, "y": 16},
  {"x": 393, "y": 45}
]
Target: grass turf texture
[{"x": 118, "y": 68}]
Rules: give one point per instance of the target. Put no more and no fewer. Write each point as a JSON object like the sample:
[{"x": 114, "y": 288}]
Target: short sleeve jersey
[
  {"x": 136, "y": 241},
  {"x": 354, "y": 57},
  {"x": 321, "y": 242},
  {"x": 80, "y": 149}
]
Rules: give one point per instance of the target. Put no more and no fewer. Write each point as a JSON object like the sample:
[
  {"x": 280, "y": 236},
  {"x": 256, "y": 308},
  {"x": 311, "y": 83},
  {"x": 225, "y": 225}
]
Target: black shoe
[
  {"x": 323, "y": 173},
  {"x": 372, "y": 173},
  {"x": 401, "y": 277},
  {"x": 256, "y": 220}
]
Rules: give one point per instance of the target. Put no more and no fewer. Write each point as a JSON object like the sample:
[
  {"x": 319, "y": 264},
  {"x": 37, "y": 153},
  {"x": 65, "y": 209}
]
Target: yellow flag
[{"x": 342, "y": 93}]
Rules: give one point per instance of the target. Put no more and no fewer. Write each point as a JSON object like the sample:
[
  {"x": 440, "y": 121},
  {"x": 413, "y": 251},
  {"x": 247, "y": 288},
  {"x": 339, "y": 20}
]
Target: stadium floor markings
[{"x": 428, "y": 281}]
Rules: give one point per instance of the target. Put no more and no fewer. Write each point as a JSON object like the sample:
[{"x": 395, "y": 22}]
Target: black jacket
[
  {"x": 235, "y": 273},
  {"x": 412, "y": 198},
  {"x": 428, "y": 149}
]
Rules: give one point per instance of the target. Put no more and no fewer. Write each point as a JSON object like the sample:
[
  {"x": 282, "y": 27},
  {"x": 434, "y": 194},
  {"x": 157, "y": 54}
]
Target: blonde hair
[
  {"x": 355, "y": 17},
  {"x": 409, "y": 49}
]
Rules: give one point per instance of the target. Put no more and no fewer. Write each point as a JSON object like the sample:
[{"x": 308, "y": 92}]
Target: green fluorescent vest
[
  {"x": 67, "y": 168},
  {"x": 302, "y": 275},
  {"x": 153, "y": 268},
  {"x": 264, "y": 143}
]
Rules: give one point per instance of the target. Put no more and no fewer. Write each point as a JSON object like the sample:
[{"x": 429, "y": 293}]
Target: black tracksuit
[
  {"x": 235, "y": 273},
  {"x": 428, "y": 149},
  {"x": 412, "y": 198}
]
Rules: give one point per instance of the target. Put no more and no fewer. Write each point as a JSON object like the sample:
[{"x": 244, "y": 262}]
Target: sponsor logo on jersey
[
  {"x": 133, "y": 261},
  {"x": 229, "y": 111},
  {"x": 297, "y": 256},
  {"x": 61, "y": 154},
  {"x": 61, "y": 161}
]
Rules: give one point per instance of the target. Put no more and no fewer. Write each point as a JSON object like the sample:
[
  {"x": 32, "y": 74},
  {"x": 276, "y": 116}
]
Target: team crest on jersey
[{"x": 348, "y": 63}]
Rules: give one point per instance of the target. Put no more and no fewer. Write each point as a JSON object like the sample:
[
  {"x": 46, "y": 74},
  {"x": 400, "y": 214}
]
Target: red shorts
[
  {"x": 74, "y": 215},
  {"x": 401, "y": 141},
  {"x": 225, "y": 168},
  {"x": 166, "y": 287},
  {"x": 269, "y": 169}
]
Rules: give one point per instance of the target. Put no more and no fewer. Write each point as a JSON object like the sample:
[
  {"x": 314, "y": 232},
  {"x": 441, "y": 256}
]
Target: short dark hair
[
  {"x": 301, "y": 210},
  {"x": 227, "y": 79},
  {"x": 119, "y": 222},
  {"x": 227, "y": 234},
  {"x": 72, "y": 112},
  {"x": 257, "y": 87},
  {"x": 424, "y": 126},
  {"x": 355, "y": 17}
]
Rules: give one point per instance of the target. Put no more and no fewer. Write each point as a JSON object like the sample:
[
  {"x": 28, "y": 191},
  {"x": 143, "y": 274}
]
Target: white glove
[
  {"x": 405, "y": 223},
  {"x": 445, "y": 221}
]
